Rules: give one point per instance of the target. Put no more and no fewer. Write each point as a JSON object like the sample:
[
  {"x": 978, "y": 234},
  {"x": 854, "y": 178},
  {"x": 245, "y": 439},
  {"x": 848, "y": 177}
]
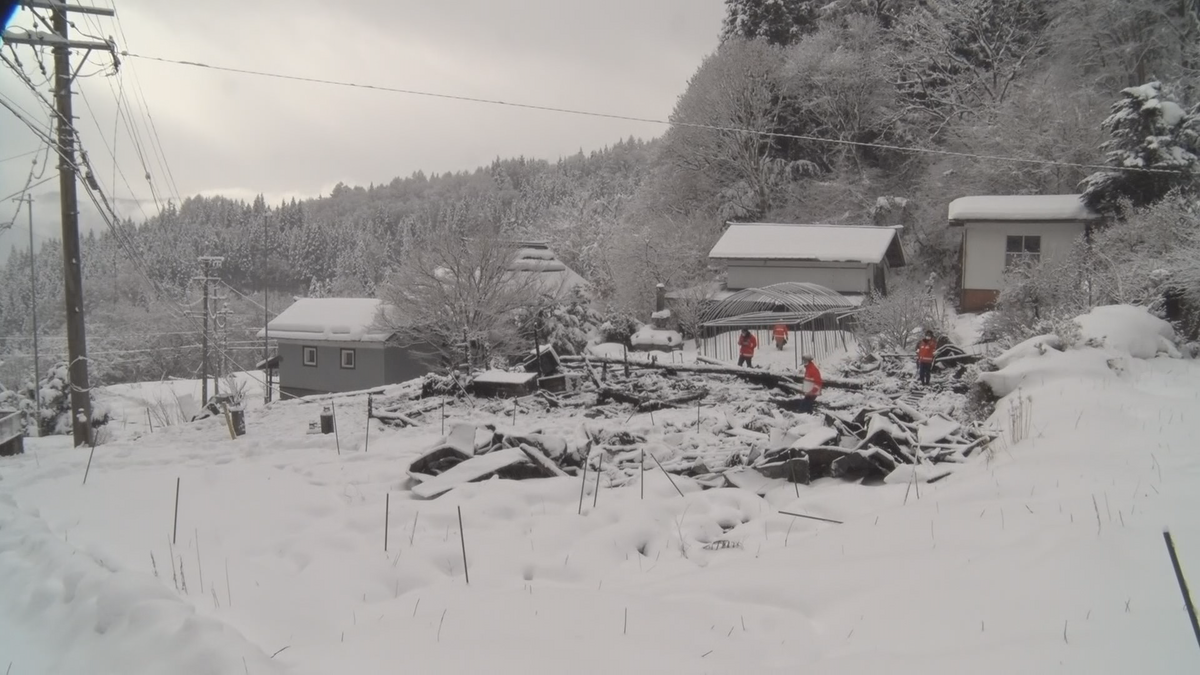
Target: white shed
[
  {"x": 1001, "y": 233},
  {"x": 843, "y": 258}
]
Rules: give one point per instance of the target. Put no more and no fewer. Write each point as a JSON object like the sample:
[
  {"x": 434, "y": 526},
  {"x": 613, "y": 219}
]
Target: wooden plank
[
  {"x": 469, "y": 471},
  {"x": 540, "y": 459}
]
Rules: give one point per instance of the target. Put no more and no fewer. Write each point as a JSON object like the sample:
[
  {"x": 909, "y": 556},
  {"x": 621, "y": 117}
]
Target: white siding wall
[
  {"x": 984, "y": 244},
  {"x": 843, "y": 278}
]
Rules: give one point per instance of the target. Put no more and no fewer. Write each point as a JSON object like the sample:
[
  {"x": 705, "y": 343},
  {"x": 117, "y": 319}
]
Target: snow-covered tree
[
  {"x": 1154, "y": 145},
  {"x": 457, "y": 296},
  {"x": 779, "y": 22}
]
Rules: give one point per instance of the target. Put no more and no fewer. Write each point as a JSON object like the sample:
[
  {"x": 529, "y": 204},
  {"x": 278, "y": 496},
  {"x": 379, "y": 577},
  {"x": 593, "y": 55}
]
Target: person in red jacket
[
  {"x": 781, "y": 336},
  {"x": 925, "y": 356},
  {"x": 747, "y": 343},
  {"x": 812, "y": 384}
]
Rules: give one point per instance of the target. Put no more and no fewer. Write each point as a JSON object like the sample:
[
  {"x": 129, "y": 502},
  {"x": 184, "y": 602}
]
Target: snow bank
[
  {"x": 108, "y": 620},
  {"x": 1128, "y": 329},
  {"x": 654, "y": 337},
  {"x": 1033, "y": 347}
]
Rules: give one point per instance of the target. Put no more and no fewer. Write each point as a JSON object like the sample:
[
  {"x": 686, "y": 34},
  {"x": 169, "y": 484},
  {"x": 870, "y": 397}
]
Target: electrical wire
[
  {"x": 645, "y": 120},
  {"x": 23, "y": 154}
]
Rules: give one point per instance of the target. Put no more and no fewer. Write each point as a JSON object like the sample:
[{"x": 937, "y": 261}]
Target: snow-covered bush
[
  {"x": 568, "y": 325},
  {"x": 619, "y": 327},
  {"x": 896, "y": 321}
]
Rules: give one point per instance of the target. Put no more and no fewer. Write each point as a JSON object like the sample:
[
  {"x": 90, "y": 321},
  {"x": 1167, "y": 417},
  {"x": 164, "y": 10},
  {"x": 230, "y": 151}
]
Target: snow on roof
[
  {"x": 1021, "y": 207},
  {"x": 822, "y": 243},
  {"x": 332, "y": 319}
]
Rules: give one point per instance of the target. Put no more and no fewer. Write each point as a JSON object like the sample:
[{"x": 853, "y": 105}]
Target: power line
[
  {"x": 645, "y": 120},
  {"x": 29, "y": 187},
  {"x": 23, "y": 154}
]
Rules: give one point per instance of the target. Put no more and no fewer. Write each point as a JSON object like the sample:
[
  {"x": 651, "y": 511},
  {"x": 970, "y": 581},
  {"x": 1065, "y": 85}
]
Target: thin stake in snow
[
  {"x": 440, "y": 622},
  {"x": 1099, "y": 525},
  {"x": 443, "y": 415},
  {"x": 582, "y": 485},
  {"x": 89, "y": 463},
  {"x": 1187, "y": 597},
  {"x": 801, "y": 515},
  {"x": 333, "y": 409},
  {"x": 175, "y": 527},
  {"x": 514, "y": 412},
  {"x": 668, "y": 475},
  {"x": 228, "y": 594},
  {"x": 149, "y": 420},
  {"x": 596, "y": 494},
  {"x": 462, "y": 537},
  {"x": 642, "y": 476},
  {"x": 625, "y": 627},
  {"x": 199, "y": 566},
  {"x": 367, "y": 437},
  {"x": 387, "y": 512},
  {"x": 414, "y": 528},
  {"x": 792, "y": 469}
]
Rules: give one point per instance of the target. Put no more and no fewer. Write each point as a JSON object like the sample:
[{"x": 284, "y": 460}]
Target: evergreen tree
[
  {"x": 779, "y": 22},
  {"x": 1148, "y": 131}
]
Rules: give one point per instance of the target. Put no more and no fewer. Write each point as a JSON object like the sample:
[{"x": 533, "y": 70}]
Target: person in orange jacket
[
  {"x": 812, "y": 384},
  {"x": 925, "y": 357},
  {"x": 747, "y": 343},
  {"x": 781, "y": 336}
]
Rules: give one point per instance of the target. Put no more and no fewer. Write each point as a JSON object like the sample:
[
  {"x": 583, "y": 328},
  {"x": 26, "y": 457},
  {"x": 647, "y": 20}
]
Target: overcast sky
[{"x": 241, "y": 135}]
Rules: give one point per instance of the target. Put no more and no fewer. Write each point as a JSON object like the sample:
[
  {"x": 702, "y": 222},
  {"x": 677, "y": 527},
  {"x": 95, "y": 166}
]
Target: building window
[
  {"x": 1021, "y": 252},
  {"x": 348, "y": 359},
  {"x": 310, "y": 356}
]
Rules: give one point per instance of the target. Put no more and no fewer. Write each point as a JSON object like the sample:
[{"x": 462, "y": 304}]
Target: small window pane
[
  {"x": 348, "y": 358},
  {"x": 1013, "y": 245},
  {"x": 310, "y": 356},
  {"x": 1033, "y": 244}
]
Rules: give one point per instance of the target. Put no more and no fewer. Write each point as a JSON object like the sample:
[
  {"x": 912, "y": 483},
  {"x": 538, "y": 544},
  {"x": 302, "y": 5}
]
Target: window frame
[
  {"x": 1028, "y": 251},
  {"x": 304, "y": 356},
  {"x": 353, "y": 353}
]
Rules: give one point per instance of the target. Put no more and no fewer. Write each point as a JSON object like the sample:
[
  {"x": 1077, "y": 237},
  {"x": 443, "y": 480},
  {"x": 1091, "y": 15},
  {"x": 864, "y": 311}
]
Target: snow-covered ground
[{"x": 1044, "y": 555}]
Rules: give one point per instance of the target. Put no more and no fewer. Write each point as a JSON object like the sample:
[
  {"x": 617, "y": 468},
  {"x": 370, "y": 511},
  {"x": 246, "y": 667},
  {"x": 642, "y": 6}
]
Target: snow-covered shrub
[
  {"x": 896, "y": 321},
  {"x": 619, "y": 327},
  {"x": 568, "y": 325}
]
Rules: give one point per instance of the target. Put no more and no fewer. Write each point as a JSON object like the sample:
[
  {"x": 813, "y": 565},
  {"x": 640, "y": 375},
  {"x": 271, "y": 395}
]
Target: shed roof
[
  {"x": 816, "y": 243},
  {"x": 1029, "y": 208},
  {"x": 330, "y": 319}
]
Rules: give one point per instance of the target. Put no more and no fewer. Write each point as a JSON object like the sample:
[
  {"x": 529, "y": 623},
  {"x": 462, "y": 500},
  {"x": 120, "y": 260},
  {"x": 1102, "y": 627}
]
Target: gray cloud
[{"x": 242, "y": 135}]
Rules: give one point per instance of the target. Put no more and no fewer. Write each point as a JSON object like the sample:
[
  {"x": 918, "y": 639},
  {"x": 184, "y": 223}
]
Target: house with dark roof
[
  {"x": 1003, "y": 233},
  {"x": 848, "y": 259}
]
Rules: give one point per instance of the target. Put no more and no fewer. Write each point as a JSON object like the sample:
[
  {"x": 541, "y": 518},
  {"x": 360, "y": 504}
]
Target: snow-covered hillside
[{"x": 1043, "y": 555}]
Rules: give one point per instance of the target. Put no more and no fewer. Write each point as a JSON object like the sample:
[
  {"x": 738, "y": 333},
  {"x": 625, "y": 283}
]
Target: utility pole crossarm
[
  {"x": 41, "y": 39},
  {"x": 55, "y": 4}
]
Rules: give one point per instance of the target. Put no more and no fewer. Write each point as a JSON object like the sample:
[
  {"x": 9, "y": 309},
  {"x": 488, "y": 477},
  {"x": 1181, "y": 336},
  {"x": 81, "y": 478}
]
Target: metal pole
[
  {"x": 267, "y": 321},
  {"x": 204, "y": 339},
  {"x": 77, "y": 364},
  {"x": 37, "y": 373}
]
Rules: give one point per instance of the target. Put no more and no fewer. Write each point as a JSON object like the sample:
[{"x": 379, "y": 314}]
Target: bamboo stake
[
  {"x": 338, "y": 441},
  {"x": 367, "y": 437},
  {"x": 387, "y": 514},
  {"x": 801, "y": 515},
  {"x": 666, "y": 474},
  {"x": 462, "y": 537},
  {"x": 1187, "y": 598},
  {"x": 596, "y": 494},
  {"x": 89, "y": 464},
  {"x": 582, "y": 485},
  {"x": 175, "y": 527}
]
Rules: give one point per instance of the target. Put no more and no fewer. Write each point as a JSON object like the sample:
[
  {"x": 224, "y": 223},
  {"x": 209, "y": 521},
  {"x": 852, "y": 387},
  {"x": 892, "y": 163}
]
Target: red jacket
[
  {"x": 925, "y": 351},
  {"x": 812, "y": 379},
  {"x": 748, "y": 344},
  {"x": 781, "y": 332}
]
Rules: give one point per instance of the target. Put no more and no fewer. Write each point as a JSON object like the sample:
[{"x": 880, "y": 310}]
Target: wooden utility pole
[
  {"x": 59, "y": 40},
  {"x": 206, "y": 265}
]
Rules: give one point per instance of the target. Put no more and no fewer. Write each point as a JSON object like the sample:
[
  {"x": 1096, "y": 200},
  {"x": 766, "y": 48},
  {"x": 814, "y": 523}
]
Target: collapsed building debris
[{"x": 739, "y": 435}]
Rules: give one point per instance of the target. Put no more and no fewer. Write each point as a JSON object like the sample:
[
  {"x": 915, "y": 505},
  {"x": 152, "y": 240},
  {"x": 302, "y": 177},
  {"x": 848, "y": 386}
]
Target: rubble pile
[{"x": 716, "y": 424}]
